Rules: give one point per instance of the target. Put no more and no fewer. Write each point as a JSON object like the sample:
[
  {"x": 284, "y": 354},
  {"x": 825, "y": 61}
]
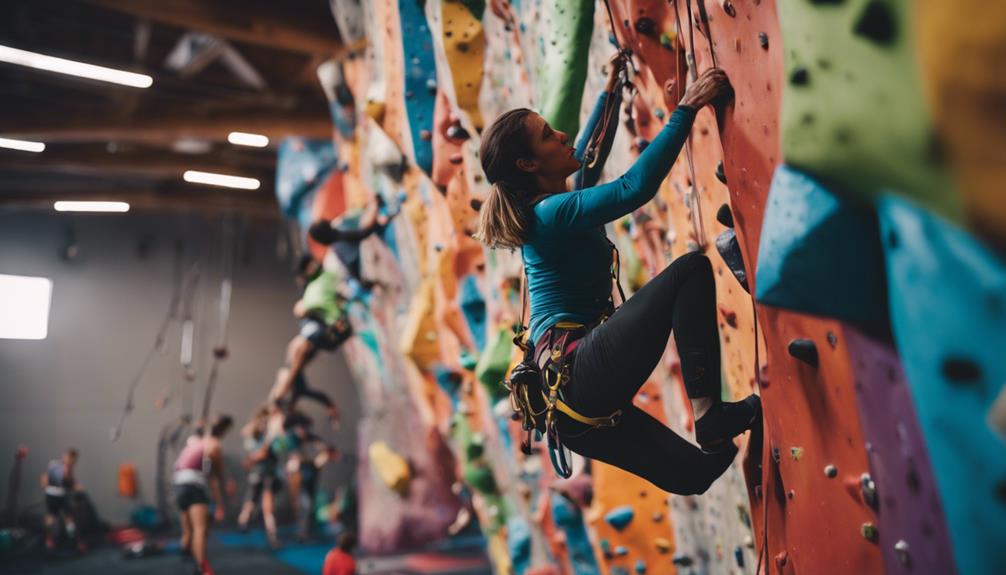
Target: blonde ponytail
[
  {"x": 503, "y": 221},
  {"x": 505, "y": 217}
]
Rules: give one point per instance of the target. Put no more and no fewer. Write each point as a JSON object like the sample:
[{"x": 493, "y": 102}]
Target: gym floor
[{"x": 249, "y": 554}]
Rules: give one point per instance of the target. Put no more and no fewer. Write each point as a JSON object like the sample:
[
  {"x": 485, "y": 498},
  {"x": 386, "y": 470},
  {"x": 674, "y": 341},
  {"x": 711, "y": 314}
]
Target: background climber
[
  {"x": 59, "y": 483},
  {"x": 198, "y": 478}
]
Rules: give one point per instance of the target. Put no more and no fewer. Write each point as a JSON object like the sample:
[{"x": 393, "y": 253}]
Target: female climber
[
  {"x": 593, "y": 359},
  {"x": 197, "y": 478}
]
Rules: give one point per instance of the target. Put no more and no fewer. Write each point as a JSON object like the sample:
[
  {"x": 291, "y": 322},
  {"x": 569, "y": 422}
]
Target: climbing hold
[
  {"x": 725, "y": 216},
  {"x": 961, "y": 370},
  {"x": 739, "y": 556},
  {"x": 619, "y": 517},
  {"x": 720, "y": 174},
  {"x": 901, "y": 551},
  {"x": 877, "y": 24},
  {"x": 621, "y": 551},
  {"x": 682, "y": 560},
  {"x": 868, "y": 531},
  {"x": 728, "y": 7},
  {"x": 776, "y": 455},
  {"x": 730, "y": 250},
  {"x": 456, "y": 159},
  {"x": 641, "y": 144},
  {"x": 805, "y": 350},
  {"x": 729, "y": 315},
  {"x": 780, "y": 559},
  {"x": 425, "y": 135},
  {"x": 763, "y": 40},
  {"x": 646, "y": 26},
  {"x": 476, "y": 204},
  {"x": 799, "y": 77},
  {"x": 830, "y": 471},
  {"x": 657, "y": 516},
  {"x": 796, "y": 453},
  {"x": 456, "y": 132},
  {"x": 605, "y": 546},
  {"x": 619, "y": 571},
  {"x": 868, "y": 489},
  {"x": 659, "y": 113},
  {"x": 832, "y": 340},
  {"x": 663, "y": 545},
  {"x": 392, "y": 468},
  {"x": 640, "y": 566},
  {"x": 666, "y": 41}
]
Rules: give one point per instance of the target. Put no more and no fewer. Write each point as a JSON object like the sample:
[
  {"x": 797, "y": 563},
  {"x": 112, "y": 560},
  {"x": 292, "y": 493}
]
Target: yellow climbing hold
[
  {"x": 663, "y": 545},
  {"x": 392, "y": 468}
]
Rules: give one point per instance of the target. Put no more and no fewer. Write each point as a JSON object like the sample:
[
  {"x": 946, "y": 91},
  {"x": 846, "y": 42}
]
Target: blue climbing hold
[
  {"x": 640, "y": 567},
  {"x": 619, "y": 517},
  {"x": 621, "y": 551},
  {"x": 819, "y": 254}
]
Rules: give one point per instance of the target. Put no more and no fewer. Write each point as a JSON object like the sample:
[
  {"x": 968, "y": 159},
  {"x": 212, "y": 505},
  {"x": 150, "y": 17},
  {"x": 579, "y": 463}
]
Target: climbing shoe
[{"x": 724, "y": 421}]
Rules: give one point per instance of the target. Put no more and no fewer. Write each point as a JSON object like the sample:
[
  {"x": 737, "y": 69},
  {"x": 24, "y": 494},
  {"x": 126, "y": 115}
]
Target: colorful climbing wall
[{"x": 848, "y": 199}]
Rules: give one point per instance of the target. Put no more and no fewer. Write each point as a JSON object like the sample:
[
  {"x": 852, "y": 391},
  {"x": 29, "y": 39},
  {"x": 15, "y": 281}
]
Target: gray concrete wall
[{"x": 107, "y": 305}]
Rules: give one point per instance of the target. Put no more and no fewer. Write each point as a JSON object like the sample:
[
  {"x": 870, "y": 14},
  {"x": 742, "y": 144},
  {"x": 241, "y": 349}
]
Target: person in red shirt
[{"x": 339, "y": 560}]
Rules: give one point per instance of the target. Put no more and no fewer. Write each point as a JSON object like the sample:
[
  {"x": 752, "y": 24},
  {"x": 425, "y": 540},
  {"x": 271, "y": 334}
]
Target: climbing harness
[{"x": 535, "y": 384}]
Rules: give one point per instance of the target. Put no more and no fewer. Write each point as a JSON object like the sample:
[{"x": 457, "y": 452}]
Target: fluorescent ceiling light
[
  {"x": 24, "y": 307},
  {"x": 23, "y": 145},
  {"x": 63, "y": 206},
  {"x": 196, "y": 177},
  {"x": 64, "y": 66},
  {"x": 246, "y": 139}
]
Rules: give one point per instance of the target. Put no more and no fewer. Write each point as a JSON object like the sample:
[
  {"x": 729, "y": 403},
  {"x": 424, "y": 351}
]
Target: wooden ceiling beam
[
  {"x": 268, "y": 23},
  {"x": 256, "y": 204},
  {"x": 166, "y": 125},
  {"x": 140, "y": 163}
]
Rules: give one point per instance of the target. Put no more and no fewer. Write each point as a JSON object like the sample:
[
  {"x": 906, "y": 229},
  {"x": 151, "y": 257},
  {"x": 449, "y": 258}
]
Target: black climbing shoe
[{"x": 724, "y": 421}]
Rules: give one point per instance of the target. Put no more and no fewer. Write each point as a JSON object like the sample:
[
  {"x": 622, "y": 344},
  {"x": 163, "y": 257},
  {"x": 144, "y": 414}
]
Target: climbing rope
[
  {"x": 694, "y": 204},
  {"x": 229, "y": 254},
  {"x": 172, "y": 314}
]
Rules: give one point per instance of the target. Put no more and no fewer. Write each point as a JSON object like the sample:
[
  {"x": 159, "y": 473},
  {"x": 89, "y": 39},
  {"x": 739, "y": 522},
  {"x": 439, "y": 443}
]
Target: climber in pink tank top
[{"x": 198, "y": 472}]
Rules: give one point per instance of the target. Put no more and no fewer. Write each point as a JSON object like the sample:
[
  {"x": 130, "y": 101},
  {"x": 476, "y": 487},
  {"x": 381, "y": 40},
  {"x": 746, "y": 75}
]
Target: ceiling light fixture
[
  {"x": 23, "y": 145},
  {"x": 246, "y": 139},
  {"x": 222, "y": 180},
  {"x": 71, "y": 206},
  {"x": 72, "y": 68}
]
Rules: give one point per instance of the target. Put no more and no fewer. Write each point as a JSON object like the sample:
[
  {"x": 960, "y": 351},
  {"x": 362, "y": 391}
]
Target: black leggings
[
  {"x": 615, "y": 359},
  {"x": 301, "y": 389}
]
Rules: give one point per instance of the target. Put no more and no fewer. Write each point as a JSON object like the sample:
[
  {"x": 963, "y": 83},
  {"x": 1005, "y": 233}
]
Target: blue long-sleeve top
[{"x": 567, "y": 256}]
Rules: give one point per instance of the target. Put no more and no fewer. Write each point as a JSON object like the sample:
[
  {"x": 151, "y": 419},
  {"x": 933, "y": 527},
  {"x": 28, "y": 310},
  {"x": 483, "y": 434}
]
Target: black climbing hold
[
  {"x": 763, "y": 40},
  {"x": 961, "y": 370},
  {"x": 877, "y": 23},
  {"x": 832, "y": 340},
  {"x": 725, "y": 216},
  {"x": 739, "y": 556},
  {"x": 776, "y": 455},
  {"x": 456, "y": 132},
  {"x": 682, "y": 560},
  {"x": 830, "y": 471},
  {"x": 730, "y": 250},
  {"x": 805, "y": 350},
  {"x": 728, "y": 7},
  {"x": 720, "y": 174},
  {"x": 799, "y": 77},
  {"x": 868, "y": 489},
  {"x": 646, "y": 26},
  {"x": 476, "y": 204}
]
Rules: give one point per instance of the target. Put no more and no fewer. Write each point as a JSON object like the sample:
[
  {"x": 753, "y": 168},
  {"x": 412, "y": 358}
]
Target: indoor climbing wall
[{"x": 846, "y": 200}]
